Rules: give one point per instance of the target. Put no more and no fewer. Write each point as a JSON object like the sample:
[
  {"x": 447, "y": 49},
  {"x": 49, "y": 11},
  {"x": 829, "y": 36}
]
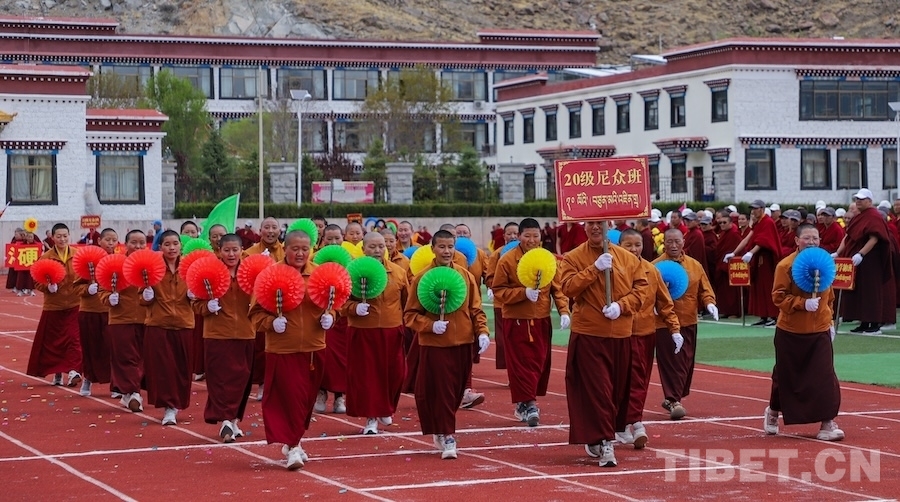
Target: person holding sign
[
  {"x": 728, "y": 297},
  {"x": 599, "y": 353},
  {"x": 526, "y": 320},
  {"x": 805, "y": 388},
  {"x": 674, "y": 357},
  {"x": 764, "y": 252},
  {"x": 445, "y": 341}
]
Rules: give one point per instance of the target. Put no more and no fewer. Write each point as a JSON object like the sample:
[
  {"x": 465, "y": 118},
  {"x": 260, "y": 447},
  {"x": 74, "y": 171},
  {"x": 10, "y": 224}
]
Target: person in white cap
[
  {"x": 868, "y": 244},
  {"x": 774, "y": 212},
  {"x": 764, "y": 253}
]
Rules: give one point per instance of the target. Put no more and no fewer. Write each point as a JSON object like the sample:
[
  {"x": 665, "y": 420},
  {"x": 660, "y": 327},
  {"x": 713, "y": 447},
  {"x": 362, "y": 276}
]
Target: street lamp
[
  {"x": 300, "y": 95},
  {"x": 895, "y": 107}
]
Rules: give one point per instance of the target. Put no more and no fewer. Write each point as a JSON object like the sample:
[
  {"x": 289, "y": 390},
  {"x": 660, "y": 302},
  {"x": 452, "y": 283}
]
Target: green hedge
[{"x": 543, "y": 209}]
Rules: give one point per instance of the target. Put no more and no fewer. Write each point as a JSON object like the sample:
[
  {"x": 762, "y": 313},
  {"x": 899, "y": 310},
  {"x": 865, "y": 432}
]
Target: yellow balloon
[
  {"x": 536, "y": 268},
  {"x": 354, "y": 250},
  {"x": 421, "y": 259}
]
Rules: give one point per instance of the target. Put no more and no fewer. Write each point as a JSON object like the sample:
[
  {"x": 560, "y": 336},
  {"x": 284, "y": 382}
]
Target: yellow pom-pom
[
  {"x": 660, "y": 249},
  {"x": 536, "y": 268},
  {"x": 31, "y": 225},
  {"x": 354, "y": 250},
  {"x": 421, "y": 259},
  {"x": 655, "y": 232}
]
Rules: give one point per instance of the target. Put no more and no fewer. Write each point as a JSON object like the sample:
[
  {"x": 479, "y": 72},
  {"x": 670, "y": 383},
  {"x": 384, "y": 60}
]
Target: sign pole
[
  {"x": 606, "y": 273},
  {"x": 743, "y": 313}
]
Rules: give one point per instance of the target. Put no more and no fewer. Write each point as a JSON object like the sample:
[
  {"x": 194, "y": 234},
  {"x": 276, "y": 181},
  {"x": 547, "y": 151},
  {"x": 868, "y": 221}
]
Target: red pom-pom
[
  {"x": 208, "y": 278},
  {"x": 249, "y": 270},
  {"x": 279, "y": 277},
  {"x": 322, "y": 279},
  {"x": 184, "y": 264},
  {"x": 109, "y": 273},
  {"x": 86, "y": 260},
  {"x": 144, "y": 268},
  {"x": 48, "y": 272}
]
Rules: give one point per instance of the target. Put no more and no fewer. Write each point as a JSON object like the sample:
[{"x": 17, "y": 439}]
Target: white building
[{"x": 735, "y": 120}]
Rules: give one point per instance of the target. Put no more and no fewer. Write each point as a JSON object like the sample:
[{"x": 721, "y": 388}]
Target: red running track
[{"x": 55, "y": 444}]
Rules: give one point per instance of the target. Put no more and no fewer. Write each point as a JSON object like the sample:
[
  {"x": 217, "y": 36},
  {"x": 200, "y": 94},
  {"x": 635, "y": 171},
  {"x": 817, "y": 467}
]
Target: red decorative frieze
[
  {"x": 577, "y": 152},
  {"x": 119, "y": 147},
  {"x": 719, "y": 154},
  {"x": 676, "y": 90},
  {"x": 550, "y": 108},
  {"x": 851, "y": 73},
  {"x": 680, "y": 145},
  {"x": 718, "y": 84},
  {"x": 31, "y": 144},
  {"x": 573, "y": 105},
  {"x": 816, "y": 142},
  {"x": 597, "y": 102},
  {"x": 649, "y": 94},
  {"x": 621, "y": 98},
  {"x": 125, "y": 120}
]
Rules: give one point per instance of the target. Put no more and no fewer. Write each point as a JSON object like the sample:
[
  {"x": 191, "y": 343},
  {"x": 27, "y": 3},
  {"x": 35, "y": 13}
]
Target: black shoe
[
  {"x": 859, "y": 329},
  {"x": 770, "y": 323},
  {"x": 761, "y": 322}
]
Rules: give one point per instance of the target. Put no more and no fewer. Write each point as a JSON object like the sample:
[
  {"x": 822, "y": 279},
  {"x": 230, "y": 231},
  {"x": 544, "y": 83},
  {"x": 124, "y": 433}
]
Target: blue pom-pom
[
  {"x": 614, "y": 235},
  {"x": 465, "y": 246},
  {"x": 509, "y": 246},
  {"x": 675, "y": 277},
  {"x": 808, "y": 262},
  {"x": 408, "y": 252}
]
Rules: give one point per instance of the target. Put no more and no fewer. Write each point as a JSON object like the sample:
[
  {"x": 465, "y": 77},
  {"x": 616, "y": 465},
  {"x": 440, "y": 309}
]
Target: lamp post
[
  {"x": 895, "y": 107},
  {"x": 300, "y": 95}
]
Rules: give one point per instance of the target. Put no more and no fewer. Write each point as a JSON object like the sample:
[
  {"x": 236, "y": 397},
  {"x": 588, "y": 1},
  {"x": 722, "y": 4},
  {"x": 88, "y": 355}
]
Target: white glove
[
  {"x": 831, "y": 332},
  {"x": 679, "y": 341},
  {"x": 53, "y": 288},
  {"x": 148, "y": 294},
  {"x": 93, "y": 288},
  {"x": 565, "y": 321},
  {"x": 484, "y": 342},
  {"x": 812, "y": 304},
  {"x": 728, "y": 256},
  {"x": 114, "y": 299},
  {"x": 713, "y": 311},
  {"x": 279, "y": 324},
  {"x": 612, "y": 311},
  {"x": 490, "y": 294},
  {"x": 857, "y": 259},
  {"x": 439, "y": 327},
  {"x": 265, "y": 253},
  {"x": 213, "y": 305},
  {"x": 362, "y": 309},
  {"x": 532, "y": 294},
  {"x": 326, "y": 321},
  {"x": 191, "y": 295},
  {"x": 747, "y": 257},
  {"x": 834, "y": 255},
  {"x": 604, "y": 262}
]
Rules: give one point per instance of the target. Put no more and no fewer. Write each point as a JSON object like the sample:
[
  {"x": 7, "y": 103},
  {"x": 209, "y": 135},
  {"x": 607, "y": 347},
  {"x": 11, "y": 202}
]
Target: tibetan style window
[
  {"x": 847, "y": 99},
  {"x": 815, "y": 169},
  {"x": 623, "y": 117},
  {"x": 509, "y": 130},
  {"x": 651, "y": 113},
  {"x": 528, "y": 128},
  {"x": 598, "y": 120},
  {"x": 889, "y": 167},
  {"x": 720, "y": 105},
  {"x": 354, "y": 85},
  {"x": 466, "y": 85},
  {"x": 31, "y": 178},
  {"x": 473, "y": 134},
  {"x": 350, "y": 137},
  {"x": 199, "y": 76},
  {"x": 120, "y": 178},
  {"x": 574, "y": 122},
  {"x": 679, "y": 175},
  {"x": 550, "y": 132},
  {"x": 851, "y": 169},
  {"x": 759, "y": 171},
  {"x": 241, "y": 83},
  {"x": 309, "y": 79}
]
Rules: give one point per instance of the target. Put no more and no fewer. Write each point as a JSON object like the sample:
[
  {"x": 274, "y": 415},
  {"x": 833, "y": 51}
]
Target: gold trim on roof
[{"x": 5, "y": 117}]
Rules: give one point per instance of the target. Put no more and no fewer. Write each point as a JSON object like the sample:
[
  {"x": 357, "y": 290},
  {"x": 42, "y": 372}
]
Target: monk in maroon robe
[
  {"x": 764, "y": 253},
  {"x": 570, "y": 236},
  {"x": 693, "y": 241},
  {"x": 728, "y": 298},
  {"x": 830, "y": 233}
]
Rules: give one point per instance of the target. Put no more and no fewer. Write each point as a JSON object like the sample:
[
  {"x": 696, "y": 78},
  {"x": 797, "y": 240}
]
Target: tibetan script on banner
[
  {"x": 738, "y": 272},
  {"x": 845, "y": 274},
  {"x": 21, "y": 256},
  {"x": 602, "y": 189}
]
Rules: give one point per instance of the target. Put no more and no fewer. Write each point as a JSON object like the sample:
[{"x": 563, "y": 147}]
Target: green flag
[{"x": 225, "y": 214}]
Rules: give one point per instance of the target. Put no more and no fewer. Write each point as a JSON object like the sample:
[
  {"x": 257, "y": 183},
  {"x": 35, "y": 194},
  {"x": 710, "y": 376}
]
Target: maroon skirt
[
  {"x": 337, "y": 345},
  {"x": 228, "y": 365},
  {"x": 126, "y": 346},
  {"x": 676, "y": 370},
  {"x": 197, "y": 360},
  {"x": 642, "y": 348},
  {"x": 94, "y": 346},
  {"x": 412, "y": 366},
  {"x": 24, "y": 281},
  {"x": 167, "y": 367},
  {"x": 527, "y": 357},
  {"x": 56, "y": 347},
  {"x": 499, "y": 340},
  {"x": 440, "y": 385},
  {"x": 259, "y": 358},
  {"x": 805, "y": 387},
  {"x": 597, "y": 383},
  {"x": 375, "y": 371},
  {"x": 292, "y": 384}
]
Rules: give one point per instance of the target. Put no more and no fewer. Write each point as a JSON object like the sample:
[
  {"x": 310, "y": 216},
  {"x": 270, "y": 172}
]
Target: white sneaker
[
  {"x": 340, "y": 405},
  {"x": 238, "y": 433},
  {"x": 57, "y": 379},
  {"x": 889, "y": 327},
  {"x": 169, "y": 417},
  {"x": 449, "y": 448},
  {"x": 116, "y": 395},
  {"x": 74, "y": 378},
  {"x": 607, "y": 455},
  {"x": 770, "y": 421},
  {"x": 259, "y": 392},
  {"x": 639, "y": 435},
  {"x": 134, "y": 403},
  {"x": 285, "y": 449},
  {"x": 438, "y": 441},
  {"x": 593, "y": 450},
  {"x": 85, "y": 388},
  {"x": 625, "y": 437},
  {"x": 386, "y": 420},
  {"x": 830, "y": 432},
  {"x": 371, "y": 427},
  {"x": 294, "y": 458},
  {"x": 321, "y": 397},
  {"x": 471, "y": 399},
  {"x": 199, "y": 377},
  {"x": 226, "y": 432}
]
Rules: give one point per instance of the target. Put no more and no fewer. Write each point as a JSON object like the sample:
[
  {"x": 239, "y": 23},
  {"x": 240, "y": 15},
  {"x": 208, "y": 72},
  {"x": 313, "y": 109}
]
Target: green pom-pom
[
  {"x": 333, "y": 254},
  {"x": 185, "y": 238},
  {"x": 438, "y": 280},
  {"x": 372, "y": 271},
  {"x": 194, "y": 244},
  {"x": 308, "y": 227}
]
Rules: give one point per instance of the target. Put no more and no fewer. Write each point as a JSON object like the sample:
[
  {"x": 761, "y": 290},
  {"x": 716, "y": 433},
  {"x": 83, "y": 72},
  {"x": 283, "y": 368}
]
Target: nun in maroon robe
[
  {"x": 728, "y": 298},
  {"x": 764, "y": 235}
]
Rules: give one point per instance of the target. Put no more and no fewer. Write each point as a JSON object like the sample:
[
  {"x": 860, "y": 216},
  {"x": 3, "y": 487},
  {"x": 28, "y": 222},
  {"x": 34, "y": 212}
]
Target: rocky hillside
[{"x": 628, "y": 26}]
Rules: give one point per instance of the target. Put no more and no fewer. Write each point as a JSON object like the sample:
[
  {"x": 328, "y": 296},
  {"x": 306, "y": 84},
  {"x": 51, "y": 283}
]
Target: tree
[
  {"x": 469, "y": 177},
  {"x": 405, "y": 110},
  {"x": 188, "y": 122},
  {"x": 375, "y": 169},
  {"x": 425, "y": 181},
  {"x": 216, "y": 177},
  {"x": 335, "y": 164},
  {"x": 311, "y": 173},
  {"x": 109, "y": 90},
  {"x": 279, "y": 133}
]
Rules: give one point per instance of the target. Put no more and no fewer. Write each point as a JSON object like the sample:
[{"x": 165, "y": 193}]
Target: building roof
[
  {"x": 40, "y": 69},
  {"x": 125, "y": 114}
]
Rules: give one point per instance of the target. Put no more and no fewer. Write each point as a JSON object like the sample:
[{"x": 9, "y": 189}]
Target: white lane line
[
  {"x": 71, "y": 470},
  {"x": 10, "y": 335},
  {"x": 769, "y": 379}
]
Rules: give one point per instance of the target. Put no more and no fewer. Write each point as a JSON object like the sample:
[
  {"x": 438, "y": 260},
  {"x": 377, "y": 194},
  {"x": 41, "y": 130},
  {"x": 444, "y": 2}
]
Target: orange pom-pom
[
  {"x": 184, "y": 264},
  {"x": 144, "y": 268},
  {"x": 249, "y": 270},
  {"x": 208, "y": 278},
  {"x": 48, "y": 272},
  {"x": 279, "y": 288},
  {"x": 85, "y": 261},
  {"x": 325, "y": 277},
  {"x": 109, "y": 273}
]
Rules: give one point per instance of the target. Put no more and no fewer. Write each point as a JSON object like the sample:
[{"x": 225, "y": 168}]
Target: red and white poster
[{"x": 354, "y": 192}]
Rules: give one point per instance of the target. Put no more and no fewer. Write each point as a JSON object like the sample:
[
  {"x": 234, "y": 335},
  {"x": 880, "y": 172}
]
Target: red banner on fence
[
  {"x": 348, "y": 192},
  {"x": 91, "y": 221},
  {"x": 845, "y": 275},
  {"x": 21, "y": 256},
  {"x": 738, "y": 272},
  {"x": 602, "y": 189}
]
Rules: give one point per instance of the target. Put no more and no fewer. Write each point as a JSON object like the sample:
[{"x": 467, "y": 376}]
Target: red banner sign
[
  {"x": 90, "y": 221},
  {"x": 21, "y": 256},
  {"x": 845, "y": 275},
  {"x": 352, "y": 192},
  {"x": 602, "y": 189},
  {"x": 738, "y": 272}
]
